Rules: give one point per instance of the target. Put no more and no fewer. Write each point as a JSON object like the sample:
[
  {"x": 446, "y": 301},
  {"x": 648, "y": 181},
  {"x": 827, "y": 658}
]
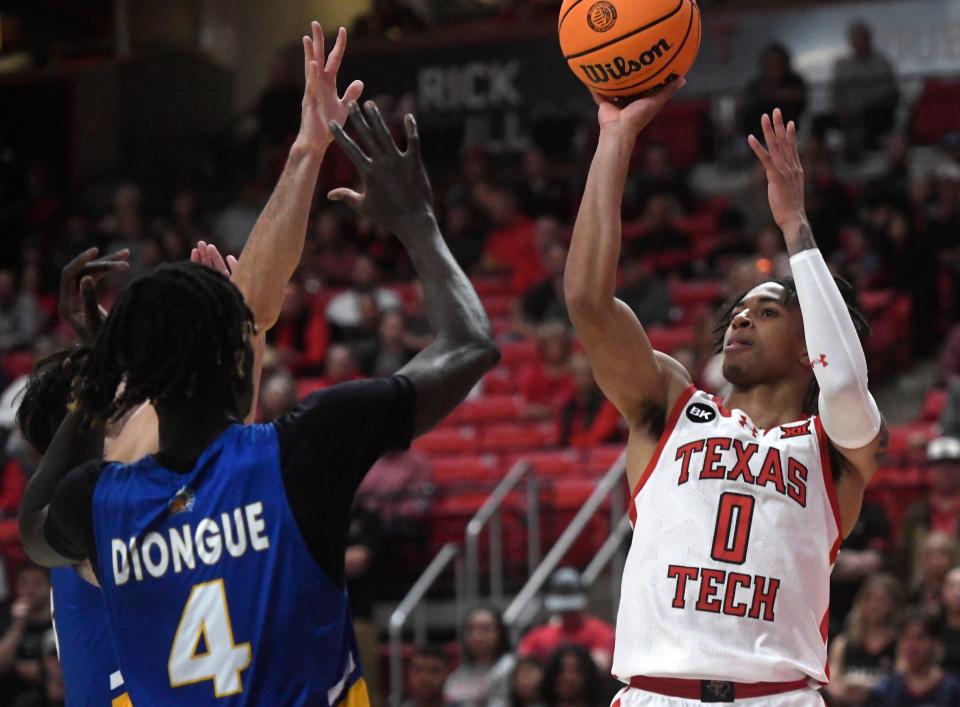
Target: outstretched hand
[
  {"x": 321, "y": 104},
  {"x": 396, "y": 190},
  {"x": 637, "y": 114},
  {"x": 208, "y": 255},
  {"x": 78, "y": 305},
  {"x": 781, "y": 160}
]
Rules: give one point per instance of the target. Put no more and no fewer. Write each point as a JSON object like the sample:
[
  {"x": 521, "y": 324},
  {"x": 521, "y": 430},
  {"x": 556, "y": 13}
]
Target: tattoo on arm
[{"x": 801, "y": 240}]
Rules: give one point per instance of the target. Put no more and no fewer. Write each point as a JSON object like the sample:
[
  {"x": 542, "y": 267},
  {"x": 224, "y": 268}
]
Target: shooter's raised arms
[
  {"x": 397, "y": 196},
  {"x": 276, "y": 242},
  {"x": 636, "y": 379}
]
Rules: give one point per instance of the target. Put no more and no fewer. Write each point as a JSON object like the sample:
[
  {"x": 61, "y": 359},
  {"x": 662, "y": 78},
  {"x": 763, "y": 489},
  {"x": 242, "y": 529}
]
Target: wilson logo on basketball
[
  {"x": 602, "y": 16},
  {"x": 620, "y": 67}
]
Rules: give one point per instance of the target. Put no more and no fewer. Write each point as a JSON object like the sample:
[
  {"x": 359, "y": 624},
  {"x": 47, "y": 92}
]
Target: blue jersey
[
  {"x": 87, "y": 660},
  {"x": 214, "y": 597}
]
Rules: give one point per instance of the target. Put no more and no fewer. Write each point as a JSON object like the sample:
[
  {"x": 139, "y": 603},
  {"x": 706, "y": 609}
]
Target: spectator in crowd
[
  {"x": 865, "y": 653},
  {"x": 864, "y": 91},
  {"x": 919, "y": 679},
  {"x": 572, "y": 679},
  {"x": 733, "y": 241},
  {"x": 937, "y": 554},
  {"x": 21, "y": 642},
  {"x": 52, "y": 692},
  {"x": 588, "y": 418},
  {"x": 364, "y": 339},
  {"x": 398, "y": 488},
  {"x": 658, "y": 175},
  {"x": 951, "y": 622},
  {"x": 278, "y": 112},
  {"x": 642, "y": 289},
  {"x": 950, "y": 358},
  {"x": 862, "y": 557},
  {"x": 857, "y": 261},
  {"x": 364, "y": 546},
  {"x": 569, "y": 623},
  {"x": 463, "y": 233},
  {"x": 427, "y": 678},
  {"x": 124, "y": 226},
  {"x": 659, "y": 237},
  {"x": 544, "y": 301},
  {"x": 542, "y": 193},
  {"x": 186, "y": 219},
  {"x": 234, "y": 224},
  {"x": 939, "y": 511},
  {"x": 301, "y": 336},
  {"x": 333, "y": 254},
  {"x": 278, "y": 395},
  {"x": 511, "y": 247},
  {"x": 547, "y": 384},
  {"x": 394, "y": 347},
  {"x": 771, "y": 255},
  {"x": 776, "y": 86},
  {"x": 344, "y": 311},
  {"x": 526, "y": 684},
  {"x": 20, "y": 317},
  {"x": 486, "y": 662}
]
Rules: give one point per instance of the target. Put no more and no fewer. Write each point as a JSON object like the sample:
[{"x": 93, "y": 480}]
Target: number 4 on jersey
[{"x": 206, "y": 617}]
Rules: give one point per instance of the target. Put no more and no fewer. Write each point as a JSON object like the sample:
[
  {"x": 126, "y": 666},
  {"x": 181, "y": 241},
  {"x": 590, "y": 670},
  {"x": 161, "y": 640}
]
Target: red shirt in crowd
[
  {"x": 541, "y": 387},
  {"x": 514, "y": 248},
  {"x": 578, "y": 629}
]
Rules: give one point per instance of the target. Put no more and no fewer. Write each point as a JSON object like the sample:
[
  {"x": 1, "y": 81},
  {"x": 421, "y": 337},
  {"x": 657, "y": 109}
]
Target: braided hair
[
  {"x": 860, "y": 324},
  {"x": 43, "y": 404},
  {"x": 175, "y": 334}
]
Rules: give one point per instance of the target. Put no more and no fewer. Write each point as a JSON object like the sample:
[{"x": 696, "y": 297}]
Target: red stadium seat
[
  {"x": 696, "y": 293},
  {"x": 447, "y": 441},
  {"x": 559, "y": 464},
  {"x": 492, "y": 408},
  {"x": 935, "y": 112},
  {"x": 453, "y": 470},
  {"x": 669, "y": 340},
  {"x": 933, "y": 405},
  {"x": 600, "y": 459},
  {"x": 490, "y": 286},
  {"x": 518, "y": 353},
  {"x": 501, "y": 326},
  {"x": 507, "y": 437}
]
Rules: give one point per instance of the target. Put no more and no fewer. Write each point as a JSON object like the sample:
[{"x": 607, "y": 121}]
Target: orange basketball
[{"x": 629, "y": 47}]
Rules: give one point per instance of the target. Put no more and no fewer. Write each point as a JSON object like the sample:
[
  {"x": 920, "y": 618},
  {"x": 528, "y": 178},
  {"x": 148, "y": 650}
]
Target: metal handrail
[
  {"x": 401, "y": 614},
  {"x": 609, "y": 483},
  {"x": 490, "y": 512}
]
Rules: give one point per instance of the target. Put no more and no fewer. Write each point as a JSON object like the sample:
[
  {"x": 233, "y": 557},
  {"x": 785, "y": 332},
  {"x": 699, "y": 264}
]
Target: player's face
[{"x": 764, "y": 342}]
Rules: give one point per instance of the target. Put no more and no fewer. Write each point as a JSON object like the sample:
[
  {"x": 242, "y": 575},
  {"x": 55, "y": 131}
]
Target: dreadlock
[
  {"x": 174, "y": 334},
  {"x": 43, "y": 403},
  {"x": 860, "y": 324}
]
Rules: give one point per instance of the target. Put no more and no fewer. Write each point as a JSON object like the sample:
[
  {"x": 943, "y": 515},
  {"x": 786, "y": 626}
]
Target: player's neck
[
  {"x": 185, "y": 431},
  {"x": 770, "y": 404}
]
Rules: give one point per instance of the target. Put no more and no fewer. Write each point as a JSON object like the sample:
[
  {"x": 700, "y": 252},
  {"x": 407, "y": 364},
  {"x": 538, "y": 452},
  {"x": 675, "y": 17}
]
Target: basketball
[{"x": 624, "y": 48}]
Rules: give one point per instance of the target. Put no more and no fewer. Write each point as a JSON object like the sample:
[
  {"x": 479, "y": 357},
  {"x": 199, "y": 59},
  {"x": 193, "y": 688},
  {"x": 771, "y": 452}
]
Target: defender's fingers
[
  {"x": 216, "y": 260},
  {"x": 362, "y": 129},
  {"x": 307, "y": 56},
  {"x": 380, "y": 130},
  {"x": 770, "y": 138},
  {"x": 336, "y": 54},
  {"x": 313, "y": 82},
  {"x": 780, "y": 131},
  {"x": 413, "y": 135},
  {"x": 793, "y": 149},
  {"x": 232, "y": 263},
  {"x": 356, "y": 155},
  {"x": 347, "y": 196},
  {"x": 91, "y": 308}
]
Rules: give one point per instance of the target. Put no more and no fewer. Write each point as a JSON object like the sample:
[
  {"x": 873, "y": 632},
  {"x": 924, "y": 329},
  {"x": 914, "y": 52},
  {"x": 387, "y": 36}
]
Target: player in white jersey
[{"x": 739, "y": 505}]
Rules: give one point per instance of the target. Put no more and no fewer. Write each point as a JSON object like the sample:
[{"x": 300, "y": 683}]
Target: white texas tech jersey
[{"x": 735, "y": 532}]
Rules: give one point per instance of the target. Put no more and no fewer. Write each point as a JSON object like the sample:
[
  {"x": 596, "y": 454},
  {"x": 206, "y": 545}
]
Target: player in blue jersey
[
  {"x": 272, "y": 252},
  {"x": 221, "y": 556}
]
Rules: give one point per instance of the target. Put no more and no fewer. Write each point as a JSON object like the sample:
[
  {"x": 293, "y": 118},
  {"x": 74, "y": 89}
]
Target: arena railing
[
  {"x": 525, "y": 605},
  {"x": 491, "y": 513},
  {"x": 449, "y": 553}
]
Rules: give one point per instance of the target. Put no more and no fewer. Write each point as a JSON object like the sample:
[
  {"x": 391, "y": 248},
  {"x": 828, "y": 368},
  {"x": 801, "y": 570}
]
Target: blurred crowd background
[{"x": 151, "y": 126}]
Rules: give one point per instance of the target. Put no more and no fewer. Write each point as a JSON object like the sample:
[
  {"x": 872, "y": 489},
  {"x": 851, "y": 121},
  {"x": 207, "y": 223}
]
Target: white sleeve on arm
[{"x": 848, "y": 411}]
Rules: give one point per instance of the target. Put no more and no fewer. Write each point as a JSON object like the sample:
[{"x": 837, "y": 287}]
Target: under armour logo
[
  {"x": 716, "y": 691},
  {"x": 747, "y": 425},
  {"x": 822, "y": 361}
]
